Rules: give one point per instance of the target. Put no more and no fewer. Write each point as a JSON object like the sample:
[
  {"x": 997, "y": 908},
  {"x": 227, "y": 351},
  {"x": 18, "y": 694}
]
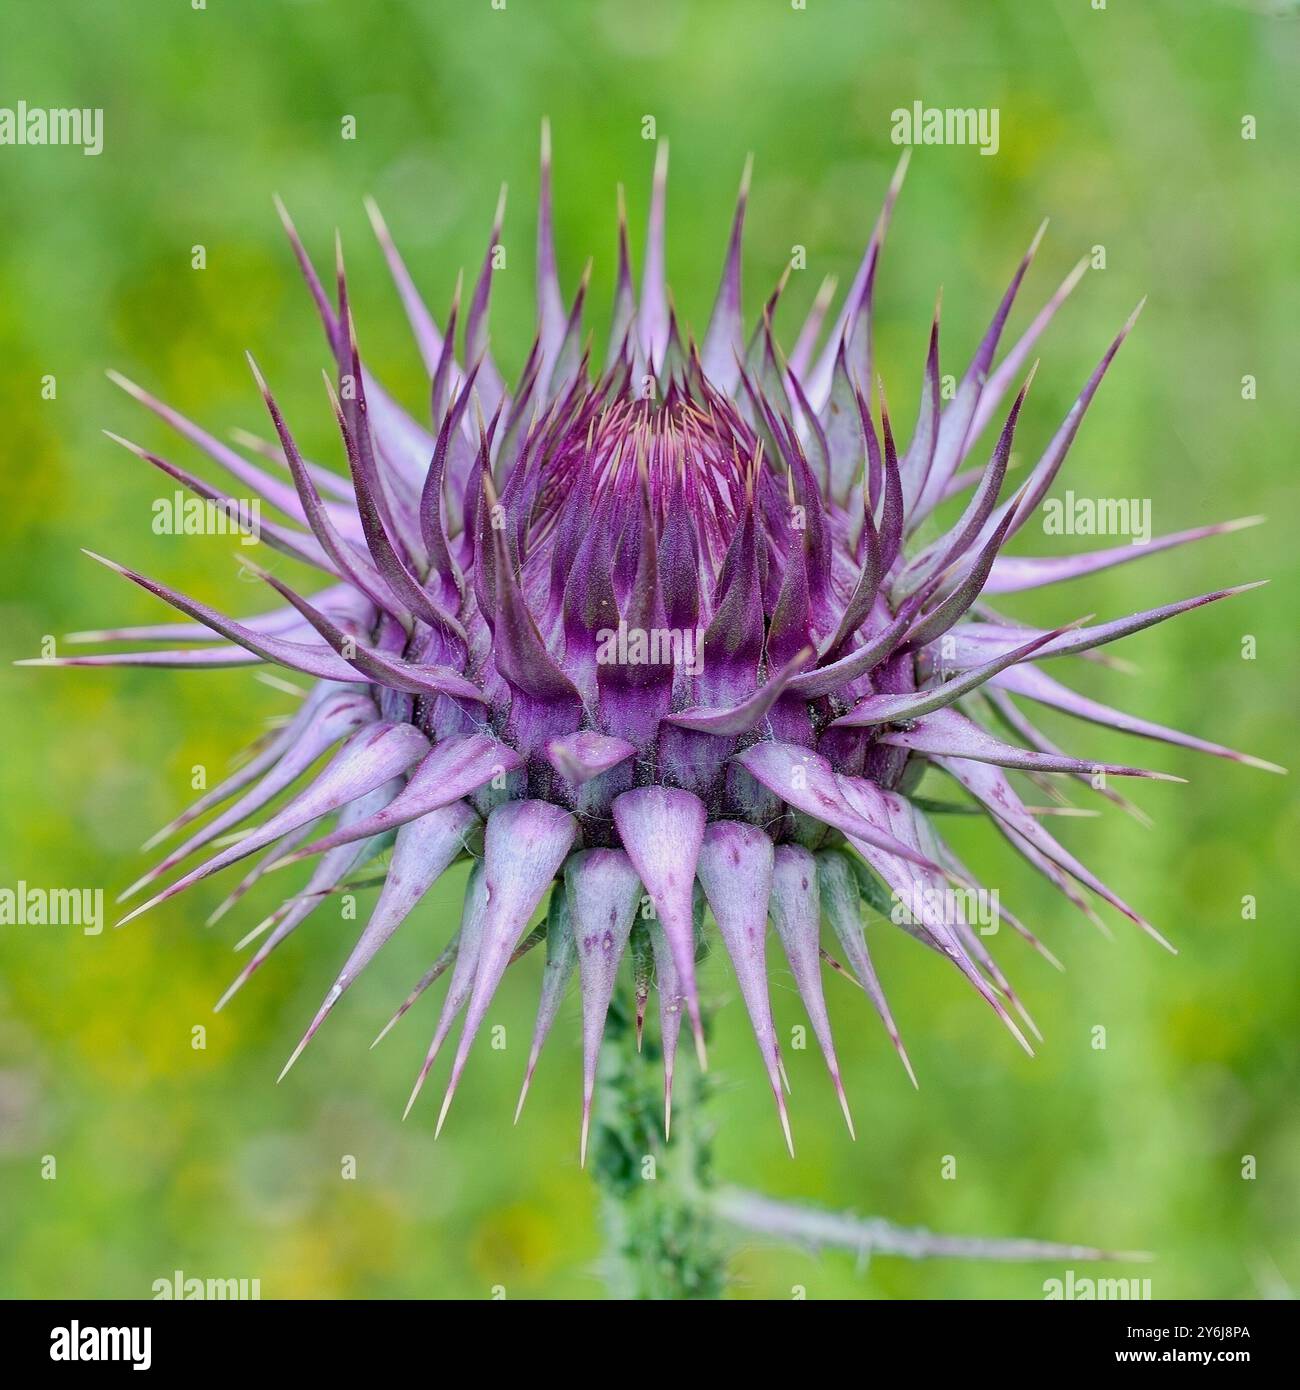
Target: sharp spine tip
[
  {"x": 442, "y": 1114},
  {"x": 586, "y": 1131},
  {"x": 844, "y": 1106},
  {"x": 523, "y": 1090}
]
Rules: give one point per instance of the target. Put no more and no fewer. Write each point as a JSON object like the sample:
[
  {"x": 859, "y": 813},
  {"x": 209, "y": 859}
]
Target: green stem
[
  {"x": 661, "y": 1242},
  {"x": 667, "y": 1225}
]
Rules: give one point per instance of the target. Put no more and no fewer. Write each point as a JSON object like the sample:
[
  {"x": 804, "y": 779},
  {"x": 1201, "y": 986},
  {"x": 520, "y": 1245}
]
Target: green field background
[{"x": 1124, "y": 125}]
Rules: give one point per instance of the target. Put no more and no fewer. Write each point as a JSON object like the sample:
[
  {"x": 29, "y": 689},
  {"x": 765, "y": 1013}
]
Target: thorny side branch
[{"x": 803, "y": 1225}]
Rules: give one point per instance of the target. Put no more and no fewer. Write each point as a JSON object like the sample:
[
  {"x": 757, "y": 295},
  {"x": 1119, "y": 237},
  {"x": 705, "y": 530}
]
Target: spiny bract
[{"x": 667, "y": 641}]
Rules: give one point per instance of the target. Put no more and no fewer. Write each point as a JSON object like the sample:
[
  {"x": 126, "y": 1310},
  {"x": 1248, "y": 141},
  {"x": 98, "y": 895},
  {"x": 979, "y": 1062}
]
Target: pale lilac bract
[{"x": 473, "y": 572}]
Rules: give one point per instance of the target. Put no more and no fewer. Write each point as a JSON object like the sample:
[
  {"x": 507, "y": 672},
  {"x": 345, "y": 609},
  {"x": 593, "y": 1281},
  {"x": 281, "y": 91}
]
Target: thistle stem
[
  {"x": 661, "y": 1241},
  {"x": 666, "y": 1224}
]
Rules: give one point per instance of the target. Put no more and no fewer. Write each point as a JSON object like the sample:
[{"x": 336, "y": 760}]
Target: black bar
[{"x": 885, "y": 1338}]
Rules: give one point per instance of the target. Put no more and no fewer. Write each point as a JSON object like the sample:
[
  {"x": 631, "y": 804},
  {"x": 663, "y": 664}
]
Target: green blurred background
[{"x": 1124, "y": 125}]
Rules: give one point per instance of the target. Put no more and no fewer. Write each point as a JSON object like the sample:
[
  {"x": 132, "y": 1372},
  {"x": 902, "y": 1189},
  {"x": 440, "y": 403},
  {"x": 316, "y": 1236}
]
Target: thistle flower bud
[{"x": 666, "y": 643}]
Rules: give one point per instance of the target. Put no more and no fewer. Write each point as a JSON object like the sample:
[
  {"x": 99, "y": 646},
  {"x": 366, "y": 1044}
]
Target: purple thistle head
[{"x": 668, "y": 638}]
